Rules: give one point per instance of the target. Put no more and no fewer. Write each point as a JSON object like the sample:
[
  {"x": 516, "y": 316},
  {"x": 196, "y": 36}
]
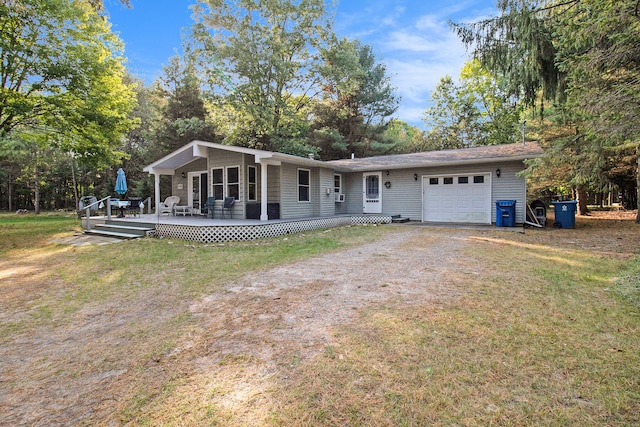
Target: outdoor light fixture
[
  {"x": 498, "y": 172},
  {"x": 184, "y": 175},
  {"x": 386, "y": 172},
  {"x": 415, "y": 176},
  {"x": 387, "y": 184}
]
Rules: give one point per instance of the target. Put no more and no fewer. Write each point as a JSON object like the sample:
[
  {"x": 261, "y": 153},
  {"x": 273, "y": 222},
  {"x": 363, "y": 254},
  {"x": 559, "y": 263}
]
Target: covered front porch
[{"x": 250, "y": 183}]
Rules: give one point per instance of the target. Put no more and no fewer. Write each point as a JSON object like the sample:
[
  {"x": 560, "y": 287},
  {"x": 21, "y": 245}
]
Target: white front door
[{"x": 372, "y": 196}]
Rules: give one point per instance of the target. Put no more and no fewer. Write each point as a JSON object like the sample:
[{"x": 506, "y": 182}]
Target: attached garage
[
  {"x": 446, "y": 186},
  {"x": 464, "y": 198}
]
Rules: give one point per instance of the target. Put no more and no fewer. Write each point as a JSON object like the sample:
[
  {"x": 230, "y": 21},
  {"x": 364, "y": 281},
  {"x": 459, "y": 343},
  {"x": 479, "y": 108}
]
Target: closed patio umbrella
[
  {"x": 121, "y": 189},
  {"x": 121, "y": 183}
]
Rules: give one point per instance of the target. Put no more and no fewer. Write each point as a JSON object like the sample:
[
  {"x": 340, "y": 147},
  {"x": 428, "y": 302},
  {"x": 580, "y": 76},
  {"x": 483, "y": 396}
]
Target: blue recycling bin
[
  {"x": 565, "y": 214},
  {"x": 505, "y": 213}
]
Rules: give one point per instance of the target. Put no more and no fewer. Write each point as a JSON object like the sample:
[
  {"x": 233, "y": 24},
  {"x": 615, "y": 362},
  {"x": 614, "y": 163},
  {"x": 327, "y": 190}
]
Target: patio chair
[
  {"x": 207, "y": 208},
  {"x": 168, "y": 204},
  {"x": 134, "y": 205},
  {"x": 228, "y": 205}
]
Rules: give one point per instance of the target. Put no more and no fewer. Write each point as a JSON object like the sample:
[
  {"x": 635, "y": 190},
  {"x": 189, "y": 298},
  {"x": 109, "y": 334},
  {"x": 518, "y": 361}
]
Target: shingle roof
[{"x": 483, "y": 154}]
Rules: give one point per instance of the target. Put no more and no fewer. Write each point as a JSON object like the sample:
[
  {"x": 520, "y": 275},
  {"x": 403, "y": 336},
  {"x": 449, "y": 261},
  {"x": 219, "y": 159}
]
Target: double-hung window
[
  {"x": 251, "y": 183},
  {"x": 217, "y": 175},
  {"x": 304, "y": 185},
  {"x": 233, "y": 182}
]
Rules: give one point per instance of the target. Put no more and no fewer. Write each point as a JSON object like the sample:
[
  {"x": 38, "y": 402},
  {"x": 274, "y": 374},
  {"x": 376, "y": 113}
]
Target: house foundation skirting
[{"x": 227, "y": 233}]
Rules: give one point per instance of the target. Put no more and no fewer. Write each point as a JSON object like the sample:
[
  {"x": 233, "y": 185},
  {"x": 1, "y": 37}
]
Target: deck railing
[{"x": 87, "y": 210}]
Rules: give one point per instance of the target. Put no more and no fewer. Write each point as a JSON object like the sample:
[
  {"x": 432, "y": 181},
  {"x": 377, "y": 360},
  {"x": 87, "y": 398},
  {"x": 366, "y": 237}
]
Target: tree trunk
[
  {"x": 75, "y": 186},
  {"x": 582, "y": 200},
  {"x": 10, "y": 191},
  {"x": 36, "y": 186},
  {"x": 638, "y": 186}
]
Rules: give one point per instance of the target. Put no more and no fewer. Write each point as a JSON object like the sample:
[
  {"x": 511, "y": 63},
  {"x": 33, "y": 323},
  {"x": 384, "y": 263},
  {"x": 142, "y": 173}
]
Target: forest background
[{"x": 274, "y": 75}]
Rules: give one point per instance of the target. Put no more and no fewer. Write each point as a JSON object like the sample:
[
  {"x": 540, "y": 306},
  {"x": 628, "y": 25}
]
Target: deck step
[
  {"x": 107, "y": 233},
  {"x": 121, "y": 230},
  {"x": 142, "y": 230}
]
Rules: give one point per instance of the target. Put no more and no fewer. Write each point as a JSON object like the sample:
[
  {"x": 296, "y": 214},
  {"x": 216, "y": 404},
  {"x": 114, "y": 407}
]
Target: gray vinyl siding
[
  {"x": 177, "y": 179},
  {"x": 509, "y": 187},
  {"x": 273, "y": 184},
  {"x": 352, "y": 187},
  {"x": 404, "y": 197},
  {"x": 289, "y": 205},
  {"x": 327, "y": 201}
]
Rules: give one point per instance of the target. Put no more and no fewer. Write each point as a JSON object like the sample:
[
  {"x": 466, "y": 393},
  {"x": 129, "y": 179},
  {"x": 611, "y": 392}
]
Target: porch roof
[
  {"x": 198, "y": 149},
  {"x": 475, "y": 155}
]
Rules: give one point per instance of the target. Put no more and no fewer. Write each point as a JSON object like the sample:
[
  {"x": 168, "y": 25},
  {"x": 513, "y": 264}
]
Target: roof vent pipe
[
  {"x": 353, "y": 156},
  {"x": 311, "y": 156}
]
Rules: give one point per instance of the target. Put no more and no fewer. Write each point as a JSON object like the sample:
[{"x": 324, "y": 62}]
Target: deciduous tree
[{"x": 263, "y": 55}]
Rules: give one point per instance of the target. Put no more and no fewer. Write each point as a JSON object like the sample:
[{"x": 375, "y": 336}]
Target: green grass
[
  {"x": 529, "y": 343},
  {"x": 28, "y": 231},
  {"x": 548, "y": 335}
]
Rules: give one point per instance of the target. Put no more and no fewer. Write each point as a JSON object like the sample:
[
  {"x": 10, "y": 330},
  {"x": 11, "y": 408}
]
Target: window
[
  {"x": 448, "y": 180},
  {"x": 463, "y": 180},
  {"x": 304, "y": 185},
  {"x": 434, "y": 181},
  {"x": 233, "y": 182},
  {"x": 337, "y": 183},
  {"x": 479, "y": 179},
  {"x": 251, "y": 183},
  {"x": 218, "y": 183},
  {"x": 373, "y": 187}
]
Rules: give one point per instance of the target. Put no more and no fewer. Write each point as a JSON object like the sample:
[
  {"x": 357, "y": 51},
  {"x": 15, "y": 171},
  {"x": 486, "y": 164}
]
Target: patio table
[
  {"x": 119, "y": 205},
  {"x": 182, "y": 210}
]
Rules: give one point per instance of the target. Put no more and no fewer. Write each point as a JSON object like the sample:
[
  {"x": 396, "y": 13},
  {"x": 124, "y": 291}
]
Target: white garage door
[{"x": 457, "y": 198}]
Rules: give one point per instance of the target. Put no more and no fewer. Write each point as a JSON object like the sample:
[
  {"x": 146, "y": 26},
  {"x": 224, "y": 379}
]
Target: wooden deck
[{"x": 202, "y": 229}]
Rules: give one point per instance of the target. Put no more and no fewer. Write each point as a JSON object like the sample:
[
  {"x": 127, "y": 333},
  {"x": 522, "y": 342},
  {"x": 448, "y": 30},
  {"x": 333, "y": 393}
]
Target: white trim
[
  {"x": 190, "y": 176},
  {"x": 341, "y": 186}
]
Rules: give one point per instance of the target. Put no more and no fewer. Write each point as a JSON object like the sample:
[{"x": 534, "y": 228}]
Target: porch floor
[{"x": 199, "y": 220}]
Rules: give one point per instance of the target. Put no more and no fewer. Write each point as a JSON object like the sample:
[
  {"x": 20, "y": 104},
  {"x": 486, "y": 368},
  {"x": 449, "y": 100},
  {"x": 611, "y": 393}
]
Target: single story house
[{"x": 449, "y": 186}]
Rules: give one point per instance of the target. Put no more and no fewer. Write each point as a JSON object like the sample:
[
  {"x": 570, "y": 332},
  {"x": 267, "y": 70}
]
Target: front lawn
[{"x": 388, "y": 325}]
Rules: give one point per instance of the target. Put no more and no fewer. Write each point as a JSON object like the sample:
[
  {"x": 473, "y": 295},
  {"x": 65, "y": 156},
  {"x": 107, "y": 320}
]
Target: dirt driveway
[{"x": 81, "y": 370}]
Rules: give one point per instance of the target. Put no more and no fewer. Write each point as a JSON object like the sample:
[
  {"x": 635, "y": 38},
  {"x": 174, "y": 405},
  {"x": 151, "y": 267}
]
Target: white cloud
[
  {"x": 429, "y": 22},
  {"x": 418, "y": 50}
]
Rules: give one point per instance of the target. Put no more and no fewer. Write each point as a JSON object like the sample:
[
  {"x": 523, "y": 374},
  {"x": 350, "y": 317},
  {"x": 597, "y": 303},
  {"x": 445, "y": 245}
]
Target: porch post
[
  {"x": 263, "y": 192},
  {"x": 157, "y": 192}
]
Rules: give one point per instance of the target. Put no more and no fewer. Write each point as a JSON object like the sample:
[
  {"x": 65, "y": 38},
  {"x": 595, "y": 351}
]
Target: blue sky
[{"x": 411, "y": 37}]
